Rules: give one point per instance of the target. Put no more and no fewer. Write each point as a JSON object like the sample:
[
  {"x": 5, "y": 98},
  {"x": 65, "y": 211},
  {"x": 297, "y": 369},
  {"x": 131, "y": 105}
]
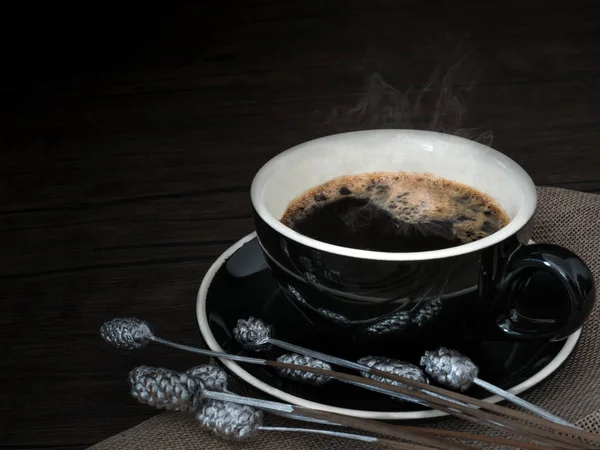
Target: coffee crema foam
[{"x": 422, "y": 200}]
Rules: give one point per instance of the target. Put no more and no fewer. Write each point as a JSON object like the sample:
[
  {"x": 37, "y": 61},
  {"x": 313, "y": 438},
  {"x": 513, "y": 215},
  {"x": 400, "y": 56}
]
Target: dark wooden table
[{"x": 129, "y": 139}]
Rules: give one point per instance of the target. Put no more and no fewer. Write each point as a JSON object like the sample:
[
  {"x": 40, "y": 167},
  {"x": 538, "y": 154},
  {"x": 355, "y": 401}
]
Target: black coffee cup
[{"x": 472, "y": 290}]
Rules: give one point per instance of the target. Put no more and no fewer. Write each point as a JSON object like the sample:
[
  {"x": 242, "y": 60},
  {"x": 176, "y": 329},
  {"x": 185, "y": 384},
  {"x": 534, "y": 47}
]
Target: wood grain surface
[{"x": 130, "y": 136}]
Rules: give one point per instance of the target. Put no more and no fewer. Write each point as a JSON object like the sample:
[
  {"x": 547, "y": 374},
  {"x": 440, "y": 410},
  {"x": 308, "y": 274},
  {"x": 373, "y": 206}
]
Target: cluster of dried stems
[{"x": 523, "y": 430}]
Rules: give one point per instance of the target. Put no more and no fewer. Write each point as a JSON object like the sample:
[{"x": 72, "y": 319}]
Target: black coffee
[{"x": 394, "y": 212}]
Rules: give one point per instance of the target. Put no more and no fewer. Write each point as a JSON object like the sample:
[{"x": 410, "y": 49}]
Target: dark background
[{"x": 130, "y": 135}]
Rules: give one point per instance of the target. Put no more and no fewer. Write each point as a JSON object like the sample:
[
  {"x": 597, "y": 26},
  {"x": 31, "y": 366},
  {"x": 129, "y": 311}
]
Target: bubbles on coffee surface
[{"x": 394, "y": 212}]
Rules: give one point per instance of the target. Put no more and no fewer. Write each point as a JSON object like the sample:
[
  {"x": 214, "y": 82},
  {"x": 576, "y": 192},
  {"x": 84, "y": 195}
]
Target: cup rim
[{"x": 523, "y": 216}]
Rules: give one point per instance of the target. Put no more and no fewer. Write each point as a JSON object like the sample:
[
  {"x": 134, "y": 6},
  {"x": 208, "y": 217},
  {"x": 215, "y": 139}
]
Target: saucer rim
[{"x": 207, "y": 335}]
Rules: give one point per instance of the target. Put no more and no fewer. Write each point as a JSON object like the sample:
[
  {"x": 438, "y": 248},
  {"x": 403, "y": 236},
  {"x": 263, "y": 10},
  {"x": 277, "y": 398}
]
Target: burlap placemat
[{"x": 567, "y": 218}]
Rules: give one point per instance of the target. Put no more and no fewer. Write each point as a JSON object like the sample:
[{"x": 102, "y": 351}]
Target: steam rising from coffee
[
  {"x": 399, "y": 212},
  {"x": 437, "y": 106}
]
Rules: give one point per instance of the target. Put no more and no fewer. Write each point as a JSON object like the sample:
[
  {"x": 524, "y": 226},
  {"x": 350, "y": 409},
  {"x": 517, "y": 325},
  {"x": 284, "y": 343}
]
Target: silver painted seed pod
[
  {"x": 126, "y": 332},
  {"x": 394, "y": 366},
  {"x": 292, "y": 292},
  {"x": 165, "y": 389},
  {"x": 450, "y": 368},
  {"x": 229, "y": 421},
  {"x": 300, "y": 376},
  {"x": 213, "y": 377},
  {"x": 334, "y": 317},
  {"x": 253, "y": 334},
  {"x": 427, "y": 312},
  {"x": 396, "y": 322},
  {"x": 137, "y": 372}
]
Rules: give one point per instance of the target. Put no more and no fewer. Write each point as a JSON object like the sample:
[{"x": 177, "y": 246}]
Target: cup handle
[{"x": 561, "y": 263}]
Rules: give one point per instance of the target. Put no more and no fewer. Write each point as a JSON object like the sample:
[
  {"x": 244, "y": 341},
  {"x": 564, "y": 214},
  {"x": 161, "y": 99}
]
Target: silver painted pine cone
[
  {"x": 396, "y": 322},
  {"x": 229, "y": 421},
  {"x": 213, "y": 377},
  {"x": 253, "y": 334},
  {"x": 427, "y": 312},
  {"x": 165, "y": 389},
  {"x": 395, "y": 366},
  {"x": 334, "y": 317},
  {"x": 136, "y": 373},
  {"x": 292, "y": 293},
  {"x": 450, "y": 368},
  {"x": 300, "y": 376},
  {"x": 126, "y": 332}
]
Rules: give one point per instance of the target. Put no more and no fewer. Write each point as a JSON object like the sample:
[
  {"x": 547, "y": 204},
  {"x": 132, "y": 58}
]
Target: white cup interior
[{"x": 307, "y": 165}]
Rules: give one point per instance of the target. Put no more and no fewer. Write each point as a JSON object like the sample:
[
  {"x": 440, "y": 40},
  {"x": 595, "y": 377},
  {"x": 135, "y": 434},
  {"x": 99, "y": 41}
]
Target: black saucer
[{"x": 239, "y": 285}]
